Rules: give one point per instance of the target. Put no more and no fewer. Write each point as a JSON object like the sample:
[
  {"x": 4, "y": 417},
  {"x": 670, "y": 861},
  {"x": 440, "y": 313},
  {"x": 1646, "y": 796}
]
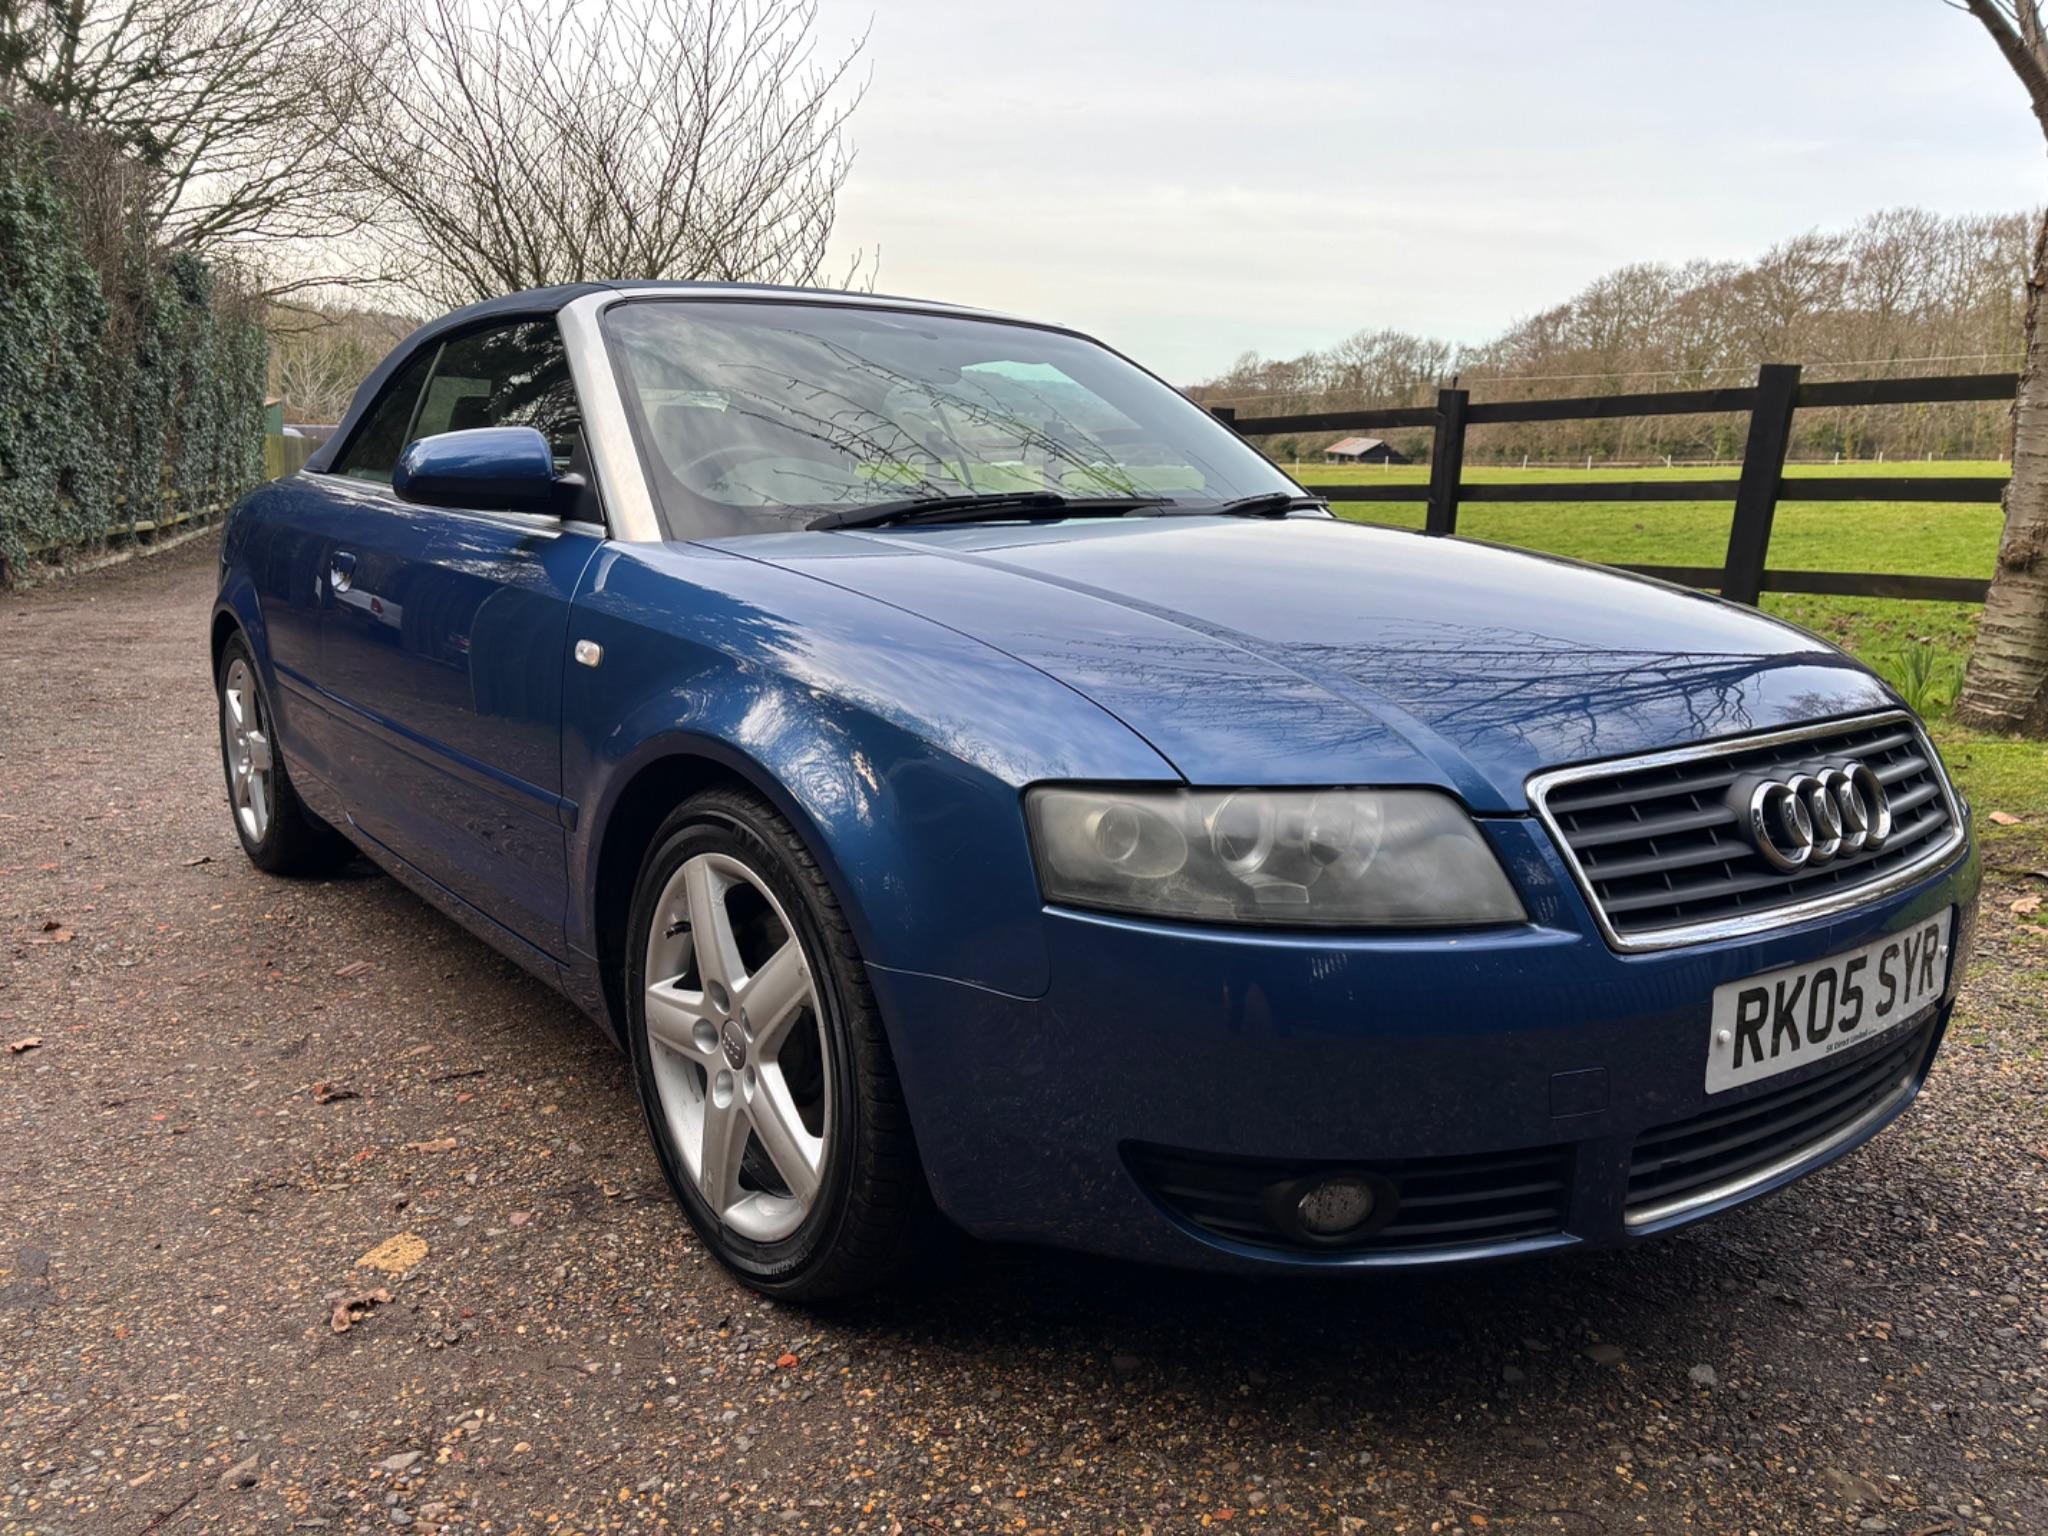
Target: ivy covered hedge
[{"x": 131, "y": 380}]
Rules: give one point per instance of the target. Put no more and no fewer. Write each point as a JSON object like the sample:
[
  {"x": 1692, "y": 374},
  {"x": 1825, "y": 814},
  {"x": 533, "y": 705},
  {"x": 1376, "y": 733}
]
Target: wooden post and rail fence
[{"x": 1771, "y": 401}]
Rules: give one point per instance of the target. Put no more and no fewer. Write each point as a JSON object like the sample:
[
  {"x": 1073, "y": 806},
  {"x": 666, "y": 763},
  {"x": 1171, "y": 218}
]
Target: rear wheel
[
  {"x": 277, "y": 831},
  {"x": 763, "y": 1069}
]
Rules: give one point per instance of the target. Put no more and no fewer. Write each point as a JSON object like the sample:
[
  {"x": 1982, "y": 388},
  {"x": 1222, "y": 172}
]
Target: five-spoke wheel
[
  {"x": 738, "y": 1046},
  {"x": 248, "y": 748},
  {"x": 277, "y": 831},
  {"x": 763, "y": 1067}
]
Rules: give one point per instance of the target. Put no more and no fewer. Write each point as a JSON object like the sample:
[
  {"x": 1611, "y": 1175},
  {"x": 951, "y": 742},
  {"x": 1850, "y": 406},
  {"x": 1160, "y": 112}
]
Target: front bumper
[{"x": 1036, "y": 1117}]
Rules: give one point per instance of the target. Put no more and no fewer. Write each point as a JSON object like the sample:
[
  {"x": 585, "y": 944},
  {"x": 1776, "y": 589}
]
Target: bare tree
[
  {"x": 219, "y": 102},
  {"x": 547, "y": 141},
  {"x": 318, "y": 357},
  {"x": 2006, "y": 687}
]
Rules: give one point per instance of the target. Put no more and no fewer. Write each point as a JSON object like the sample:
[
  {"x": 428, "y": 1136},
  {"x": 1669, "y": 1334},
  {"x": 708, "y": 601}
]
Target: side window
[
  {"x": 375, "y": 448},
  {"x": 512, "y": 376}
]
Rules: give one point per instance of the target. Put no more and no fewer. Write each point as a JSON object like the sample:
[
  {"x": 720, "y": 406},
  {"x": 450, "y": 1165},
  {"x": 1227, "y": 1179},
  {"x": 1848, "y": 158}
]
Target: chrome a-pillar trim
[{"x": 628, "y": 500}]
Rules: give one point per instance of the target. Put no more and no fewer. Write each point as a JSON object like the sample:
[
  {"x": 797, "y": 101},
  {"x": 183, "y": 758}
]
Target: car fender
[{"x": 899, "y": 749}]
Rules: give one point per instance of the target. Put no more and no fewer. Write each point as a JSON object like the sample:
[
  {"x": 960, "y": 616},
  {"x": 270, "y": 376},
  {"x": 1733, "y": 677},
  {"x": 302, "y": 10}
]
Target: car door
[
  {"x": 292, "y": 572},
  {"x": 443, "y": 640}
]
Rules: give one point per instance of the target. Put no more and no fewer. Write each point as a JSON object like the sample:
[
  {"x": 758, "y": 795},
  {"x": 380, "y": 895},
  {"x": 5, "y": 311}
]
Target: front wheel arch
[{"x": 635, "y": 813}]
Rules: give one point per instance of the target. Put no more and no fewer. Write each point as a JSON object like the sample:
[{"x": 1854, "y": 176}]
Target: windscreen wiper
[
  {"x": 975, "y": 506},
  {"x": 1266, "y": 504}
]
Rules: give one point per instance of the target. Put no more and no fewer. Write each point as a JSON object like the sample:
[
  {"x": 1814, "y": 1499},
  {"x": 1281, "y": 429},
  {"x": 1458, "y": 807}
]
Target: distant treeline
[{"x": 1904, "y": 292}]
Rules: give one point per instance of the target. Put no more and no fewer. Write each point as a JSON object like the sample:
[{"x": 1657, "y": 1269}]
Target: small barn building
[{"x": 1363, "y": 450}]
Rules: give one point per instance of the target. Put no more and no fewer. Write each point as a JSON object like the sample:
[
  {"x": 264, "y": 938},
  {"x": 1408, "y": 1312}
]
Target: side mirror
[{"x": 484, "y": 469}]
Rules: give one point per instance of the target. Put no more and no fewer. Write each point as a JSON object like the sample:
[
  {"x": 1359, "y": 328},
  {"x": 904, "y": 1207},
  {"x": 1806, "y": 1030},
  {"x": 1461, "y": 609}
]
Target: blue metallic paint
[
  {"x": 1372, "y": 1047},
  {"x": 896, "y": 745},
  {"x": 1312, "y": 651},
  {"x": 895, "y": 692},
  {"x": 508, "y": 469},
  {"x": 440, "y": 687}
]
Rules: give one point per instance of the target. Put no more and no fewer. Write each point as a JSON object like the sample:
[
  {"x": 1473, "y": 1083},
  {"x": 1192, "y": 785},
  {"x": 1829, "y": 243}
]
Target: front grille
[
  {"x": 1440, "y": 1201},
  {"x": 1662, "y": 856},
  {"x": 1693, "y": 1162}
]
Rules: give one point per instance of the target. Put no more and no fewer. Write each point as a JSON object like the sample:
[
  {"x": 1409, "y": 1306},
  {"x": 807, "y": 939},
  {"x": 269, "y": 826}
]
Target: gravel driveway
[{"x": 245, "y": 1086}]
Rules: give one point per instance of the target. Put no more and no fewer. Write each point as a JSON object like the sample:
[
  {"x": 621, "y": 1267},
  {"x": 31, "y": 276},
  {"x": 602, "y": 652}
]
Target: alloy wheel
[
  {"x": 250, "y": 758},
  {"x": 737, "y": 1045}
]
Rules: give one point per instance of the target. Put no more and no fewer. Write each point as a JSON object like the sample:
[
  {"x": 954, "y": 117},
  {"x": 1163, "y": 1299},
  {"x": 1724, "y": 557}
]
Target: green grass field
[{"x": 1920, "y": 647}]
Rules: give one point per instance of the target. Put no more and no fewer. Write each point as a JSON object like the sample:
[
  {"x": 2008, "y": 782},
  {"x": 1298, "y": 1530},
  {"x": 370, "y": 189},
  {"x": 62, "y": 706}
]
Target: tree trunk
[{"x": 2006, "y": 688}]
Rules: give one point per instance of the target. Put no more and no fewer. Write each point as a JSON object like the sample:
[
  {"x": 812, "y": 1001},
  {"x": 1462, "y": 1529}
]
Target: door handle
[{"x": 341, "y": 570}]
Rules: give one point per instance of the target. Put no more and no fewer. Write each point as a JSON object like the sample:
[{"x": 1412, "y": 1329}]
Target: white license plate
[{"x": 1791, "y": 1018}]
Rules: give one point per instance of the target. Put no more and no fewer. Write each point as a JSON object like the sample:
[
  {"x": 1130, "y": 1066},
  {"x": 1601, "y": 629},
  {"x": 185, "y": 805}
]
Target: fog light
[{"x": 1333, "y": 1207}]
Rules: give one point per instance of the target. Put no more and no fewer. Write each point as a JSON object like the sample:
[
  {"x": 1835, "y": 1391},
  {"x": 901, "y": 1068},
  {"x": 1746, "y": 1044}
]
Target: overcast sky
[{"x": 1191, "y": 180}]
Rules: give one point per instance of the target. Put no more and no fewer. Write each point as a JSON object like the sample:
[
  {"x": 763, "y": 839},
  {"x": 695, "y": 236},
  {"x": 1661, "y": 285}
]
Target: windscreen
[{"x": 765, "y": 415}]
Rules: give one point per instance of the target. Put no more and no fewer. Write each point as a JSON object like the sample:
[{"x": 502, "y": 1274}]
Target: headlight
[{"x": 1389, "y": 858}]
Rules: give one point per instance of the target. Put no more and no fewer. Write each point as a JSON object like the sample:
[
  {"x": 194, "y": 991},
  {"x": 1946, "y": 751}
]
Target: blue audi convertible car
[{"x": 974, "y": 786}]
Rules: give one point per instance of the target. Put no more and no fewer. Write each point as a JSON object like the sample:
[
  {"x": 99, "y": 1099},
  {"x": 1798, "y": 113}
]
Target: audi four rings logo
[{"x": 1813, "y": 815}]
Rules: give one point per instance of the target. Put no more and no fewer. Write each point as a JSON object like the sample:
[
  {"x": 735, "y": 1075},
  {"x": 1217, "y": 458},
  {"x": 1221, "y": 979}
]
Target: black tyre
[
  {"x": 761, "y": 1060},
  {"x": 277, "y": 831}
]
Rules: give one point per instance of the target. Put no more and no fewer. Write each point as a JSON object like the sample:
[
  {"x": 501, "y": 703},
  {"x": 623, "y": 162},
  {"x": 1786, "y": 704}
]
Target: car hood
[{"x": 1316, "y": 651}]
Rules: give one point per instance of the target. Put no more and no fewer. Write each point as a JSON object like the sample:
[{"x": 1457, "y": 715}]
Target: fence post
[
  {"x": 1447, "y": 460},
  {"x": 1756, "y": 493}
]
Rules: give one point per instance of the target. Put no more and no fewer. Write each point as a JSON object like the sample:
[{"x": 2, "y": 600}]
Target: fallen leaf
[
  {"x": 2005, "y": 818},
  {"x": 204, "y": 858},
  {"x": 786, "y": 1362},
  {"x": 354, "y": 968},
  {"x": 350, "y": 1310},
  {"x": 331, "y": 1093},
  {"x": 445, "y": 1144},
  {"x": 396, "y": 1254},
  {"x": 16, "y": 1047},
  {"x": 2026, "y": 906},
  {"x": 54, "y": 932},
  {"x": 520, "y": 1218}
]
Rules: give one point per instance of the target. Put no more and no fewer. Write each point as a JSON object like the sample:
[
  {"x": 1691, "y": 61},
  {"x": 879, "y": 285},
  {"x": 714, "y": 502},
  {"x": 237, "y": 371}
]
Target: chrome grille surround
[{"x": 1740, "y": 894}]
